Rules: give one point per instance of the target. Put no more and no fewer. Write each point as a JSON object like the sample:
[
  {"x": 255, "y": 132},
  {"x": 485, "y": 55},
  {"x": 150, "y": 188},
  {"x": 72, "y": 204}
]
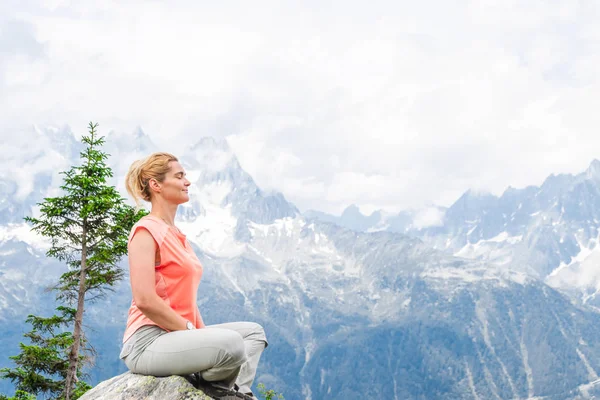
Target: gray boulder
[{"x": 130, "y": 386}]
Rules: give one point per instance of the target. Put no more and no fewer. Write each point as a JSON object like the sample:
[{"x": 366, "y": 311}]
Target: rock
[{"x": 130, "y": 386}]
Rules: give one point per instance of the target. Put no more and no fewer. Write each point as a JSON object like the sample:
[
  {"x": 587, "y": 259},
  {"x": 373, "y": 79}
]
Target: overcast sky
[{"x": 385, "y": 104}]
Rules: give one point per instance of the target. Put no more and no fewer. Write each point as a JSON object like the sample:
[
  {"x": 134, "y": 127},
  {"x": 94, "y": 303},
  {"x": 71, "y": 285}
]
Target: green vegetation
[
  {"x": 87, "y": 228},
  {"x": 42, "y": 365},
  {"x": 269, "y": 394}
]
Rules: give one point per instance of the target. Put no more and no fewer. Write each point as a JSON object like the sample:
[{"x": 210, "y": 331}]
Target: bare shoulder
[{"x": 142, "y": 240}]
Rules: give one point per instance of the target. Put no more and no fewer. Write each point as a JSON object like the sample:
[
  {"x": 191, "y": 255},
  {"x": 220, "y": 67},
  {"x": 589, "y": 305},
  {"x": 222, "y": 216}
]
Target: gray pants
[{"x": 228, "y": 353}]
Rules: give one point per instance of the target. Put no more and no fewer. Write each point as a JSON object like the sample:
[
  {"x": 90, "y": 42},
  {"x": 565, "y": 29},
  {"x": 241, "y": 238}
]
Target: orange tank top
[{"x": 176, "y": 278}]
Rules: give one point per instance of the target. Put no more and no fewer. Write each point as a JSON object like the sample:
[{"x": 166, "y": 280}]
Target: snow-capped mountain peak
[
  {"x": 336, "y": 302},
  {"x": 593, "y": 171}
]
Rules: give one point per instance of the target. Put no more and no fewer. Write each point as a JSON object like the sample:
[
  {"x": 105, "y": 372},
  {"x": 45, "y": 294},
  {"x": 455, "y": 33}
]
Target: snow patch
[
  {"x": 490, "y": 247},
  {"x": 581, "y": 272},
  {"x": 470, "y": 380},
  {"x": 214, "y": 231},
  {"x": 592, "y": 375}
]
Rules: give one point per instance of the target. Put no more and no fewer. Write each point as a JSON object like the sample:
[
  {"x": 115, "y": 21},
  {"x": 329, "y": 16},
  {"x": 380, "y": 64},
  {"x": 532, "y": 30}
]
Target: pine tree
[
  {"x": 87, "y": 228},
  {"x": 43, "y": 363},
  {"x": 19, "y": 395}
]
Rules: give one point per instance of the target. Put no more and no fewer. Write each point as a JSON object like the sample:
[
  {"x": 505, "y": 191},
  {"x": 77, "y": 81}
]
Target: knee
[
  {"x": 234, "y": 346},
  {"x": 258, "y": 332}
]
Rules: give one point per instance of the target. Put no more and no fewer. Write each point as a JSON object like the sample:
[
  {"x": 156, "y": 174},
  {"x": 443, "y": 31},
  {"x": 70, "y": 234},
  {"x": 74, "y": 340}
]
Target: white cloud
[
  {"x": 387, "y": 104},
  {"x": 429, "y": 216},
  {"x": 27, "y": 154}
]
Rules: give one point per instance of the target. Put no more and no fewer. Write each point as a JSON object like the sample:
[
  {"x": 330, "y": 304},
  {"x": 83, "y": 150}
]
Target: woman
[{"x": 165, "y": 333}]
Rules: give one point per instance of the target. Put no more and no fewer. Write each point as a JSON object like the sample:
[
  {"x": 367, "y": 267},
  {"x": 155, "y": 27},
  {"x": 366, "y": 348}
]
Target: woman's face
[{"x": 174, "y": 188}]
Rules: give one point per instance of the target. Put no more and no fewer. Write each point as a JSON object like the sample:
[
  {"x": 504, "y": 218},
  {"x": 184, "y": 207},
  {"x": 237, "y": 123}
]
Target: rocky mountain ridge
[{"x": 380, "y": 313}]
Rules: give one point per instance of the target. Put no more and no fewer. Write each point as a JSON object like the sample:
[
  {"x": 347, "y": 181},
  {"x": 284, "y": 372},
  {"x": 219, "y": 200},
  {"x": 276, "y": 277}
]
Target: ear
[{"x": 154, "y": 185}]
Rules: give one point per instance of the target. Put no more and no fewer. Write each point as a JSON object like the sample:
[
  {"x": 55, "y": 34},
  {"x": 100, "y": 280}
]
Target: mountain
[
  {"x": 224, "y": 198},
  {"x": 31, "y": 162},
  {"x": 549, "y": 232},
  {"x": 409, "y": 221},
  {"x": 352, "y": 313}
]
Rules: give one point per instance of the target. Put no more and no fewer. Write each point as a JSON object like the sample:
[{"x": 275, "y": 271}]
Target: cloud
[
  {"x": 429, "y": 216},
  {"x": 22, "y": 65},
  {"x": 392, "y": 105},
  {"x": 30, "y": 154}
]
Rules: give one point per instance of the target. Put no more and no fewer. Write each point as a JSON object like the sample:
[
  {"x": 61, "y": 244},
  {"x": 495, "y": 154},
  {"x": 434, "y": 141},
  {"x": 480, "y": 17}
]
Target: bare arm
[
  {"x": 142, "y": 250},
  {"x": 199, "y": 320}
]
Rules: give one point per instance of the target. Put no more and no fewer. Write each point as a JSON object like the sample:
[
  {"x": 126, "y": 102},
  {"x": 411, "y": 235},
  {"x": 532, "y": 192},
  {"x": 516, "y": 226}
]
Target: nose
[{"x": 187, "y": 182}]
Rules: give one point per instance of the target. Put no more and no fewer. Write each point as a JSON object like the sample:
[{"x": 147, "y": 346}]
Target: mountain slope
[
  {"x": 349, "y": 314},
  {"x": 547, "y": 232}
]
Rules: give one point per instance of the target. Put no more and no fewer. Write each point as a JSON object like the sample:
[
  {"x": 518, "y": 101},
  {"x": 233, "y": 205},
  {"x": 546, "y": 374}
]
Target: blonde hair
[{"x": 156, "y": 166}]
